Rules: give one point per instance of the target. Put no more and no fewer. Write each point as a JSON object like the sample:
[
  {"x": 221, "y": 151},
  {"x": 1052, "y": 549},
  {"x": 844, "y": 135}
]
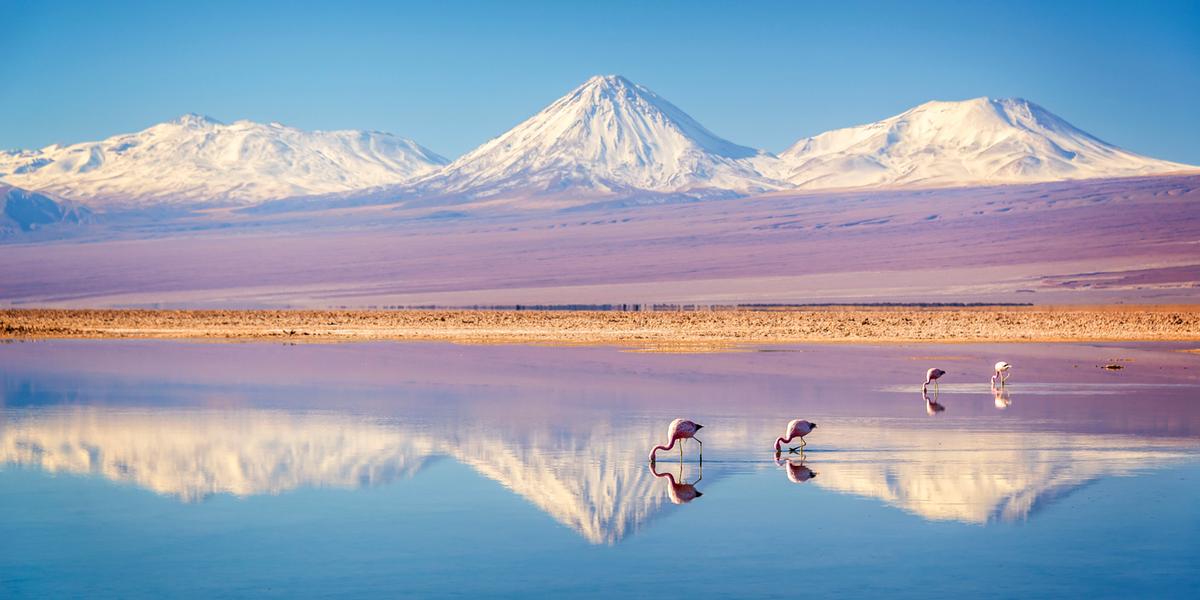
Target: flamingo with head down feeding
[
  {"x": 796, "y": 428},
  {"x": 1002, "y": 369},
  {"x": 679, "y": 429},
  {"x": 932, "y": 375}
]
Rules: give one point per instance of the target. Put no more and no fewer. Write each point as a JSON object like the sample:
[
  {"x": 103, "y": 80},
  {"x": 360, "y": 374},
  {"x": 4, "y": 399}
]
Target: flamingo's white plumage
[{"x": 1002, "y": 369}]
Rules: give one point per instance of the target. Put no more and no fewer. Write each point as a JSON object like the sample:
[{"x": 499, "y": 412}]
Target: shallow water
[{"x": 145, "y": 468}]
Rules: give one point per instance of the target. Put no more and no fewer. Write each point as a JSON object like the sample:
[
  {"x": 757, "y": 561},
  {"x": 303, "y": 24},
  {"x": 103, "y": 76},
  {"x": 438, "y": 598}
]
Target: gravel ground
[{"x": 665, "y": 331}]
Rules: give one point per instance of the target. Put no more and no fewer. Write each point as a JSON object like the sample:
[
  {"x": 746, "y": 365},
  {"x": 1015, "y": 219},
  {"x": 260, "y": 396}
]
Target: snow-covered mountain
[
  {"x": 606, "y": 136},
  {"x": 195, "y": 159},
  {"x": 979, "y": 141}
]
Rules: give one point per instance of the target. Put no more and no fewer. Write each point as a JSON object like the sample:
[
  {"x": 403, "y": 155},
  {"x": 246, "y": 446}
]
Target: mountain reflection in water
[{"x": 591, "y": 477}]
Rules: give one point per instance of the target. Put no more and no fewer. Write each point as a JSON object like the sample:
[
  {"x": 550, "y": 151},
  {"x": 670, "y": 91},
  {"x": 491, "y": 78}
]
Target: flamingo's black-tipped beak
[{"x": 699, "y": 427}]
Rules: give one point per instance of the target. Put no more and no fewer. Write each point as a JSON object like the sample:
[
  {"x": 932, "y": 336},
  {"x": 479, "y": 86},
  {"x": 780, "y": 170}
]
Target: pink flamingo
[
  {"x": 932, "y": 375},
  {"x": 678, "y": 491},
  {"x": 1001, "y": 373},
  {"x": 796, "y": 428},
  {"x": 680, "y": 429}
]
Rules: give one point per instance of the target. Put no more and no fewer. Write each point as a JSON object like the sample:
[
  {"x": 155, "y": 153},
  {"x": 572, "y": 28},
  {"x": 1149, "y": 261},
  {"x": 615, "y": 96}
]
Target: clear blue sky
[{"x": 453, "y": 74}]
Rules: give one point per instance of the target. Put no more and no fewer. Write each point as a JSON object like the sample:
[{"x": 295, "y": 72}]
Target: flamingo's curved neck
[
  {"x": 662, "y": 447},
  {"x": 781, "y": 441}
]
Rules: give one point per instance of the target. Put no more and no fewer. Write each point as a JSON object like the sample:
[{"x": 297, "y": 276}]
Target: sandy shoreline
[{"x": 661, "y": 331}]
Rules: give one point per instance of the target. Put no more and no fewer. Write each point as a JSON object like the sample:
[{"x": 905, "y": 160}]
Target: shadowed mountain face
[{"x": 26, "y": 211}]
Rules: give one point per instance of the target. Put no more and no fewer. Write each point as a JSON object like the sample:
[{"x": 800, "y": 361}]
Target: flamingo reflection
[
  {"x": 679, "y": 491},
  {"x": 796, "y": 471},
  {"x": 1003, "y": 399},
  {"x": 932, "y": 407}
]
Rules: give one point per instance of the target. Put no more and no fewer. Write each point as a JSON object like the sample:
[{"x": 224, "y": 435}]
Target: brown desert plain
[{"x": 687, "y": 331}]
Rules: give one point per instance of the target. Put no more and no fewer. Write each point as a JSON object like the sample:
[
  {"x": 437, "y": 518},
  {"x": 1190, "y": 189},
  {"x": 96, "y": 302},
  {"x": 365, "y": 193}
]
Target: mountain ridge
[
  {"x": 195, "y": 159},
  {"x": 980, "y": 141},
  {"x": 609, "y": 140}
]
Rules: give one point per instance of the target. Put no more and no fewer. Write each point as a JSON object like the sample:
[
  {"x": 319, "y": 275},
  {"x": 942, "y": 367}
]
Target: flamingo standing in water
[
  {"x": 680, "y": 429},
  {"x": 932, "y": 375},
  {"x": 796, "y": 428},
  {"x": 1001, "y": 372}
]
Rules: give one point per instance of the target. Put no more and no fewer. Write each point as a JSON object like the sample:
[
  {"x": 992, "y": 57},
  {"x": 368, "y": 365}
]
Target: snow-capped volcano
[
  {"x": 198, "y": 159},
  {"x": 979, "y": 141},
  {"x": 607, "y": 135}
]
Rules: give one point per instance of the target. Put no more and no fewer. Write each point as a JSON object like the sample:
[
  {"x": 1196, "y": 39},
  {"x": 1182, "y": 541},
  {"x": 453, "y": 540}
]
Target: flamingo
[
  {"x": 796, "y": 472},
  {"x": 932, "y": 375},
  {"x": 680, "y": 493},
  {"x": 680, "y": 429},
  {"x": 796, "y": 428},
  {"x": 1001, "y": 372}
]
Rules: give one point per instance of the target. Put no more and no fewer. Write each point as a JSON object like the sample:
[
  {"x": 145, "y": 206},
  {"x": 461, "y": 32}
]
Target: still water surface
[{"x": 143, "y": 469}]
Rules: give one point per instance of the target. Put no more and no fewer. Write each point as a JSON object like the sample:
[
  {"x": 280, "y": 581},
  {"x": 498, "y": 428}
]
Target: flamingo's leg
[{"x": 701, "y": 448}]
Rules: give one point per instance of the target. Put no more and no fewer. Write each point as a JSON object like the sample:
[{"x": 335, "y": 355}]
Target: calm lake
[{"x": 134, "y": 469}]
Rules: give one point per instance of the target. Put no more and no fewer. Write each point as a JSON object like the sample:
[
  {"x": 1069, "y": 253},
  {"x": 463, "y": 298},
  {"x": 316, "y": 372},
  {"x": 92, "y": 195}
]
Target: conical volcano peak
[
  {"x": 608, "y": 81},
  {"x": 606, "y": 135}
]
